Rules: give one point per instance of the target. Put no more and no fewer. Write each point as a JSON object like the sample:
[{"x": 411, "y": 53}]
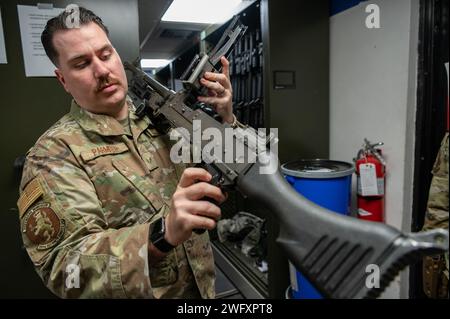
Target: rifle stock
[{"x": 334, "y": 251}]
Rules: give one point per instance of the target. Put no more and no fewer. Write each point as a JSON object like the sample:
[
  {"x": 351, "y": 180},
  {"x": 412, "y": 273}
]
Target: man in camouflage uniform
[
  {"x": 435, "y": 268},
  {"x": 96, "y": 183}
]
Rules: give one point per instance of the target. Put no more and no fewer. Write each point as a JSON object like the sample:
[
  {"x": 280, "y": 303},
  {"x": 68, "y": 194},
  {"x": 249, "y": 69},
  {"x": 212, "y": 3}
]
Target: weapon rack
[
  {"x": 246, "y": 75},
  {"x": 279, "y": 73}
]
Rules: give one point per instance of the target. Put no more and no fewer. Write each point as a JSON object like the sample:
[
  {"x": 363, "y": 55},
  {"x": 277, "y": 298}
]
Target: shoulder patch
[
  {"x": 42, "y": 226},
  {"x": 29, "y": 195}
]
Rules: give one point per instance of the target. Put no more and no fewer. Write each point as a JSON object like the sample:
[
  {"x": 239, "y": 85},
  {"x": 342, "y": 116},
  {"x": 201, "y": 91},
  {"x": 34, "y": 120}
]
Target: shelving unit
[{"x": 280, "y": 78}]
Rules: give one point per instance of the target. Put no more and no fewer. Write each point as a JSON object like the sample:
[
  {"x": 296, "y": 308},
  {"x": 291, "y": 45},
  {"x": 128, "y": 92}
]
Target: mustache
[{"x": 106, "y": 82}]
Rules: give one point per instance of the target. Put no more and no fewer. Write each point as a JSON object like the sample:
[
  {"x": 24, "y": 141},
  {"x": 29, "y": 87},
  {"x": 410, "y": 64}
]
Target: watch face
[
  {"x": 158, "y": 230},
  {"x": 157, "y": 236}
]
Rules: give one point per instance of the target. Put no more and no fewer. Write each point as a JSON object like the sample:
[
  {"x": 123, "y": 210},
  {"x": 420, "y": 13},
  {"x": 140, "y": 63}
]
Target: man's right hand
[{"x": 189, "y": 210}]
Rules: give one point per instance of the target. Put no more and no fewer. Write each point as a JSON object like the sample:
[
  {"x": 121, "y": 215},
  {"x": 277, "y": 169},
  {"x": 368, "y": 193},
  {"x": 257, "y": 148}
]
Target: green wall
[{"x": 28, "y": 107}]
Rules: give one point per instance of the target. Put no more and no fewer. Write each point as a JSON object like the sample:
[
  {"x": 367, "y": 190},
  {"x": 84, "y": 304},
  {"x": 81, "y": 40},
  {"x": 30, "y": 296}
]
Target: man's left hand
[{"x": 220, "y": 91}]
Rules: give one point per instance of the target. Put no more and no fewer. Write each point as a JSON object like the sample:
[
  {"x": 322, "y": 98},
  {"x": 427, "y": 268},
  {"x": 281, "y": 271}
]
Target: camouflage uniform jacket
[
  {"x": 436, "y": 270},
  {"x": 89, "y": 195},
  {"x": 437, "y": 206}
]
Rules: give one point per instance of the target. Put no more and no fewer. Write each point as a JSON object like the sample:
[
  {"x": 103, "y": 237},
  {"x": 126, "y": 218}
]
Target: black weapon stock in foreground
[{"x": 333, "y": 251}]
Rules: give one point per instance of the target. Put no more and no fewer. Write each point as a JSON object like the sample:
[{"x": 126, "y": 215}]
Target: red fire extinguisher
[{"x": 371, "y": 174}]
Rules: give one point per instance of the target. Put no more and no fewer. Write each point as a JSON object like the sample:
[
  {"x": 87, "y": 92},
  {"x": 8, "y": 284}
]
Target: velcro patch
[
  {"x": 29, "y": 195},
  {"x": 103, "y": 150},
  {"x": 42, "y": 226}
]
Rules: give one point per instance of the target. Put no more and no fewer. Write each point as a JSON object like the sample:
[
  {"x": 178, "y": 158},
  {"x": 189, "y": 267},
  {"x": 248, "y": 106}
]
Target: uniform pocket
[
  {"x": 93, "y": 276},
  {"x": 141, "y": 184},
  {"x": 121, "y": 185},
  {"x": 165, "y": 272},
  {"x": 435, "y": 283}
]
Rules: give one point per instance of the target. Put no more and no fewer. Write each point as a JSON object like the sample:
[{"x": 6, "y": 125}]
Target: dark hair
[{"x": 59, "y": 23}]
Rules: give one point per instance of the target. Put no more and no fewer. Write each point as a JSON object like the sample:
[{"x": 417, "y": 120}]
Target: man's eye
[
  {"x": 106, "y": 56},
  {"x": 81, "y": 65}
]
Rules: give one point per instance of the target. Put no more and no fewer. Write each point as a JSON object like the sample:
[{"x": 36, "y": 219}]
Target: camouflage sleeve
[
  {"x": 66, "y": 235},
  {"x": 435, "y": 268},
  {"x": 437, "y": 206}
]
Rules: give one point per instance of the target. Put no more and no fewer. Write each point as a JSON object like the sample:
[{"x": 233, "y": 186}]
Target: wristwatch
[{"x": 157, "y": 236}]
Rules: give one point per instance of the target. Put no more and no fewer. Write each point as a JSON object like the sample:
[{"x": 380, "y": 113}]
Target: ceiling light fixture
[
  {"x": 201, "y": 11},
  {"x": 154, "y": 63}
]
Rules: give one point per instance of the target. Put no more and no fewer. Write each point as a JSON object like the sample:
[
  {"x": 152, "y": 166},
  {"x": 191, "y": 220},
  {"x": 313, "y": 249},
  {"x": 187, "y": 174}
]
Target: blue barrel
[{"x": 328, "y": 184}]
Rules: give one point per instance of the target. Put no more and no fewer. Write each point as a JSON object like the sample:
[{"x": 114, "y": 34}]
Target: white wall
[{"x": 373, "y": 95}]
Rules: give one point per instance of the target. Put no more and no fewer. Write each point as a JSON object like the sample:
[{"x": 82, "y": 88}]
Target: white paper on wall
[{"x": 32, "y": 21}]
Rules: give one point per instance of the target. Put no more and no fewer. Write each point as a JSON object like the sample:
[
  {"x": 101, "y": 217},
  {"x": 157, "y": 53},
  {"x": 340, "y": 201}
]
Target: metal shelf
[{"x": 238, "y": 272}]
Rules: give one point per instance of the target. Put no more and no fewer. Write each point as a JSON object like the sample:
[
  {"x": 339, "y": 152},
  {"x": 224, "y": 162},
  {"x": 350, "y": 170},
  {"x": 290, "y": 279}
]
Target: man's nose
[{"x": 100, "y": 69}]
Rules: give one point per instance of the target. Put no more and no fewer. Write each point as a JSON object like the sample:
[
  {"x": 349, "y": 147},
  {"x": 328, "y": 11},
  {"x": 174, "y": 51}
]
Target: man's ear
[{"x": 61, "y": 79}]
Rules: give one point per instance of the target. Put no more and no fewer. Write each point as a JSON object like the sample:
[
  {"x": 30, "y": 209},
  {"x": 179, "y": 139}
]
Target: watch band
[{"x": 157, "y": 236}]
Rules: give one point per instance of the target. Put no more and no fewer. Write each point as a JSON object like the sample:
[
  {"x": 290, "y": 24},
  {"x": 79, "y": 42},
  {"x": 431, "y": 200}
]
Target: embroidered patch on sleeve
[
  {"x": 29, "y": 195},
  {"x": 42, "y": 226}
]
